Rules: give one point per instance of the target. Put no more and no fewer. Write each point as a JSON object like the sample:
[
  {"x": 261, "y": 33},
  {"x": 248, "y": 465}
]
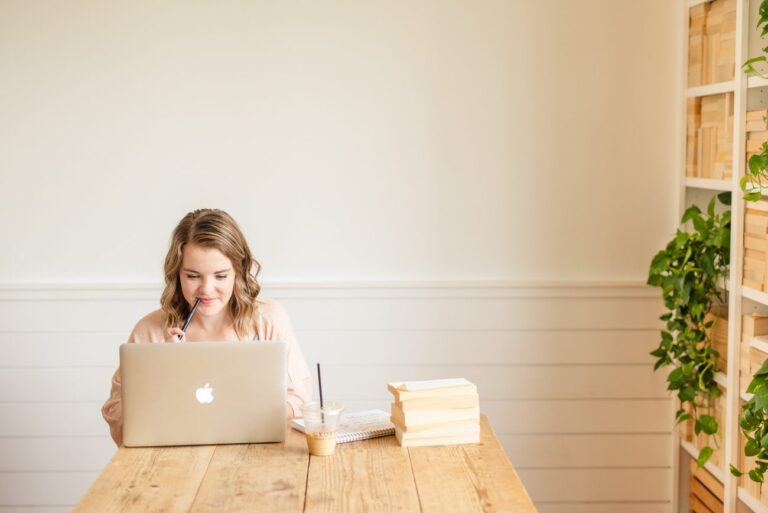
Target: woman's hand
[{"x": 175, "y": 335}]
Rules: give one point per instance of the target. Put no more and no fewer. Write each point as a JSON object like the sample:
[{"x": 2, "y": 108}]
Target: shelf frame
[
  {"x": 708, "y": 183},
  {"x": 729, "y": 379},
  {"x": 709, "y": 89}
]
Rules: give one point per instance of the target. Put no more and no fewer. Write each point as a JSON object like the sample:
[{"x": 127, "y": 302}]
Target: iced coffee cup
[{"x": 320, "y": 426}]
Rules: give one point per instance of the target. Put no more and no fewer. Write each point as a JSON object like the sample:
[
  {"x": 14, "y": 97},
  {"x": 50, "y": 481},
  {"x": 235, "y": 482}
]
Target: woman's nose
[{"x": 206, "y": 285}]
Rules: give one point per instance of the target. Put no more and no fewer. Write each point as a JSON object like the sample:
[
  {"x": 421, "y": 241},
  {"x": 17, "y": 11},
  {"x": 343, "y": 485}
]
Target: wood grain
[
  {"x": 256, "y": 477},
  {"x": 149, "y": 479},
  {"x": 480, "y": 475},
  {"x": 369, "y": 476}
]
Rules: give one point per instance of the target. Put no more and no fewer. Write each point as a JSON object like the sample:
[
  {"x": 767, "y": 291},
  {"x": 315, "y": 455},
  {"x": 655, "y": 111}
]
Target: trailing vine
[
  {"x": 756, "y": 175},
  {"x": 689, "y": 271},
  {"x": 753, "y": 420}
]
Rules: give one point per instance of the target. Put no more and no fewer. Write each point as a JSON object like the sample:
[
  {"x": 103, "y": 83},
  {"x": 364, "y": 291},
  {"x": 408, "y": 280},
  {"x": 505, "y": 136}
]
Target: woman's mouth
[{"x": 208, "y": 301}]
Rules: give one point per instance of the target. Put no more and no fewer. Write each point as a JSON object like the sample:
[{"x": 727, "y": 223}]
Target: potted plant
[{"x": 689, "y": 270}]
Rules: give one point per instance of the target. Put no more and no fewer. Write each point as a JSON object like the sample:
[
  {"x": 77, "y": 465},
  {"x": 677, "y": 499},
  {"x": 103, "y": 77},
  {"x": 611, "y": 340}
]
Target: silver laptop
[{"x": 197, "y": 393}]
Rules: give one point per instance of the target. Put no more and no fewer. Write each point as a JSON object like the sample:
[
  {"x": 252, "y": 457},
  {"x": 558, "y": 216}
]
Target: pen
[{"x": 189, "y": 318}]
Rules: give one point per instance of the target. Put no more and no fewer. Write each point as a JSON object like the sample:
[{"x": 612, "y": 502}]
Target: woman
[{"x": 209, "y": 259}]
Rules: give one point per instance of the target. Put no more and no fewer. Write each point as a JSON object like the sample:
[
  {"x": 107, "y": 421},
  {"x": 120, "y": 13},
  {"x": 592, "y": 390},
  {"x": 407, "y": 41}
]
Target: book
[
  {"x": 421, "y": 417},
  {"x": 439, "y": 440},
  {"x": 457, "y": 430},
  {"x": 439, "y": 402},
  {"x": 360, "y": 425},
  {"x": 406, "y": 390},
  {"x": 426, "y": 427}
]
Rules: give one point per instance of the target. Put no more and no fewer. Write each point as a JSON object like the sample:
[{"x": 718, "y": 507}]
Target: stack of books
[{"x": 437, "y": 412}]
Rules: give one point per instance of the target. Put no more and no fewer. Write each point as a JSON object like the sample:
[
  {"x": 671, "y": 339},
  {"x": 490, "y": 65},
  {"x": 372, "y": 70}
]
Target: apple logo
[{"x": 204, "y": 395}]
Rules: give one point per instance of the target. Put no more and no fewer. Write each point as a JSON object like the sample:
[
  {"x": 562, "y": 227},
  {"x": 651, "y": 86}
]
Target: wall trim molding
[{"x": 62, "y": 291}]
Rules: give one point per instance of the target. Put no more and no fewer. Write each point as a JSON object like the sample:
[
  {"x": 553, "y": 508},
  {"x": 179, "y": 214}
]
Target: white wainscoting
[{"x": 562, "y": 369}]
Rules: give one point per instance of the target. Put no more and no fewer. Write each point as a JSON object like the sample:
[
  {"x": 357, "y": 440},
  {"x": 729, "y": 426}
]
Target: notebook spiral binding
[{"x": 354, "y": 437}]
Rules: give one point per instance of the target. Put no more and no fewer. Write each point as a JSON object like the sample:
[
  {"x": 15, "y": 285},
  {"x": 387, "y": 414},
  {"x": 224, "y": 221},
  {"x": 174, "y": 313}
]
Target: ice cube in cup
[{"x": 320, "y": 426}]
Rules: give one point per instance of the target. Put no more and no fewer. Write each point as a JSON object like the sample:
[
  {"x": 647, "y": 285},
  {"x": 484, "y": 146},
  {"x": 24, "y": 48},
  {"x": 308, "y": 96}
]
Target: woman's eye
[
  {"x": 191, "y": 277},
  {"x": 221, "y": 277}
]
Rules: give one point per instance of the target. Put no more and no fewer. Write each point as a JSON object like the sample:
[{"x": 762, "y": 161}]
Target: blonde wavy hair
[{"x": 212, "y": 228}]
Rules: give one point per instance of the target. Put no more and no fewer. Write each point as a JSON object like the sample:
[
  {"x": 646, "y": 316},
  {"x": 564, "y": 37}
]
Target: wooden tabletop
[{"x": 371, "y": 475}]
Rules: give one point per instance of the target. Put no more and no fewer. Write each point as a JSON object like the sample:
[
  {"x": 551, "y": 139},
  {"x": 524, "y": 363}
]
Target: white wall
[
  {"x": 352, "y": 140},
  {"x": 484, "y": 145}
]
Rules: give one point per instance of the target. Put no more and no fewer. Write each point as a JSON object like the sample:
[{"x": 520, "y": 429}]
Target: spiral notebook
[{"x": 360, "y": 425}]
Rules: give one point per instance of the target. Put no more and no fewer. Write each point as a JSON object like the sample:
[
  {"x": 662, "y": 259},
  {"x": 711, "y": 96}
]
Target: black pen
[{"x": 189, "y": 318}]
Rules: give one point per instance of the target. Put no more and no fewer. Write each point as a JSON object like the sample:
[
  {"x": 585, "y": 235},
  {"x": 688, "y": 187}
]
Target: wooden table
[{"x": 371, "y": 475}]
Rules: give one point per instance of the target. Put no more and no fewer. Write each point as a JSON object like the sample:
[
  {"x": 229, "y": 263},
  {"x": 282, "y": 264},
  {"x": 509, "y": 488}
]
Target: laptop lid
[{"x": 197, "y": 393}]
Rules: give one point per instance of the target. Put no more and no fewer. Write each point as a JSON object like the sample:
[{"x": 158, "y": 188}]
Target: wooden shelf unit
[{"x": 698, "y": 187}]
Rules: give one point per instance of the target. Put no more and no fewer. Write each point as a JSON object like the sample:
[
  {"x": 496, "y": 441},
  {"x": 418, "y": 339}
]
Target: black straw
[{"x": 320, "y": 386}]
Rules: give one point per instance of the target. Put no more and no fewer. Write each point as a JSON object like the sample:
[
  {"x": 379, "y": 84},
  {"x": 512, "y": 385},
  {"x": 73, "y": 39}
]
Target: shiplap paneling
[
  {"x": 39, "y": 454},
  {"x": 563, "y": 373},
  {"x": 598, "y": 484},
  {"x": 44, "y": 488},
  {"x": 605, "y": 507},
  {"x": 385, "y": 347},
  {"x": 588, "y": 450}
]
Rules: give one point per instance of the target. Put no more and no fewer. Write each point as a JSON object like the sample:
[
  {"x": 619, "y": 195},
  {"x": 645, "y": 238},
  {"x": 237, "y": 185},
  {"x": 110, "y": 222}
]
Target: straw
[{"x": 320, "y": 386}]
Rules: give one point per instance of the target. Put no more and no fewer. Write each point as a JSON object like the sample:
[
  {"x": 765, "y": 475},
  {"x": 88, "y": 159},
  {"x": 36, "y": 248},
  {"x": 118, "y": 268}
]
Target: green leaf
[
  {"x": 675, "y": 376},
  {"x": 689, "y": 394},
  {"x": 704, "y": 455},
  {"x": 753, "y": 196},
  {"x": 754, "y": 60},
  {"x": 700, "y": 225},
  {"x": 751, "y": 448},
  {"x": 708, "y": 424},
  {"x": 725, "y": 198},
  {"x": 756, "y": 476},
  {"x": 764, "y": 442},
  {"x": 736, "y": 472},
  {"x": 690, "y": 213},
  {"x": 711, "y": 207}
]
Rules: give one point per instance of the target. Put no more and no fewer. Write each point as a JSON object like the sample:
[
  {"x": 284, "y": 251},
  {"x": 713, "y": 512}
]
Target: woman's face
[{"x": 206, "y": 274}]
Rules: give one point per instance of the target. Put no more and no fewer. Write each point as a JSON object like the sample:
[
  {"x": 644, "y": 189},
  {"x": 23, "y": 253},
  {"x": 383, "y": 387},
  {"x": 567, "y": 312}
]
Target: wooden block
[
  {"x": 752, "y": 242},
  {"x": 756, "y": 360},
  {"x": 745, "y": 375},
  {"x": 696, "y": 506},
  {"x": 757, "y": 125},
  {"x": 756, "y": 115},
  {"x": 756, "y": 266},
  {"x": 760, "y": 135},
  {"x": 756, "y": 230},
  {"x": 758, "y": 206},
  {"x": 754, "y": 145},
  {"x": 753, "y": 325},
  {"x": 699, "y": 10}
]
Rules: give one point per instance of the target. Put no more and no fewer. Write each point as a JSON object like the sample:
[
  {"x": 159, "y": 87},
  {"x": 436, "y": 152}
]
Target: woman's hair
[{"x": 212, "y": 228}]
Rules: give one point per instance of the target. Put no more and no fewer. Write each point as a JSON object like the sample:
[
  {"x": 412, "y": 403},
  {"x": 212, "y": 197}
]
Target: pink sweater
[{"x": 272, "y": 324}]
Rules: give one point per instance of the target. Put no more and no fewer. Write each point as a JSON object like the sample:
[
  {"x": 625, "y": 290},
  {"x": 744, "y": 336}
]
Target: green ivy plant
[
  {"x": 757, "y": 168},
  {"x": 753, "y": 420},
  {"x": 688, "y": 271}
]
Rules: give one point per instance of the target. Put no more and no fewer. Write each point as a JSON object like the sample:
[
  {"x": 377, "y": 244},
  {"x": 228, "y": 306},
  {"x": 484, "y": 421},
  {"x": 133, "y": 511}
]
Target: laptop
[{"x": 198, "y": 393}]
